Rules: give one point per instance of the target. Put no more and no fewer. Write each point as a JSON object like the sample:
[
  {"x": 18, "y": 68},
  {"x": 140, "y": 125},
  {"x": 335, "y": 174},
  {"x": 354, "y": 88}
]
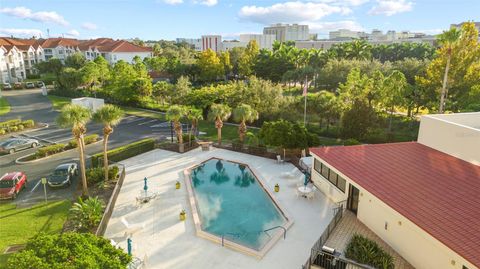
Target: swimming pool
[{"x": 232, "y": 203}]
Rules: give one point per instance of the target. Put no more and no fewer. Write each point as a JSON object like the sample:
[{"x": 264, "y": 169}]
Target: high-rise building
[
  {"x": 287, "y": 32},
  {"x": 263, "y": 41},
  {"x": 213, "y": 42}
]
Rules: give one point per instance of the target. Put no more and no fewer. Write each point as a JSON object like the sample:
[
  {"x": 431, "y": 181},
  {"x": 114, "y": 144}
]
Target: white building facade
[
  {"x": 263, "y": 41},
  {"x": 213, "y": 42},
  {"x": 287, "y": 32}
]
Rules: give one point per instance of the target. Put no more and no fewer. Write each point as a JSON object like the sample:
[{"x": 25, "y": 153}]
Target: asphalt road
[{"x": 30, "y": 104}]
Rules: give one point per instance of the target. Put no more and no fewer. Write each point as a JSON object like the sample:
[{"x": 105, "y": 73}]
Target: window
[
  {"x": 341, "y": 183},
  {"x": 325, "y": 171},
  {"x": 330, "y": 175},
  {"x": 317, "y": 165}
]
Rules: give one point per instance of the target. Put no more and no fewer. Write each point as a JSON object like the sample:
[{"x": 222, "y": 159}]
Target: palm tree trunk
[
  {"x": 219, "y": 135},
  {"x": 83, "y": 174},
  {"x": 242, "y": 130},
  {"x": 105, "y": 156},
  {"x": 444, "y": 87}
]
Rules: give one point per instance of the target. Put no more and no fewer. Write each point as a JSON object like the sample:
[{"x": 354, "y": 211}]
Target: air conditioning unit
[{"x": 328, "y": 250}]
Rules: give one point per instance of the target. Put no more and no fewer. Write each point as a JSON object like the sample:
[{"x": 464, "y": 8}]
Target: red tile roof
[{"x": 436, "y": 191}]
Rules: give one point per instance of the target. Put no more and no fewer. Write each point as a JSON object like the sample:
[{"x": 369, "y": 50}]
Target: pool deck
[{"x": 166, "y": 242}]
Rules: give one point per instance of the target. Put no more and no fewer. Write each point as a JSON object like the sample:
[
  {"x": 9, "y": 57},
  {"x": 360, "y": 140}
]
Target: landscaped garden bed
[
  {"x": 16, "y": 125},
  {"x": 366, "y": 251}
]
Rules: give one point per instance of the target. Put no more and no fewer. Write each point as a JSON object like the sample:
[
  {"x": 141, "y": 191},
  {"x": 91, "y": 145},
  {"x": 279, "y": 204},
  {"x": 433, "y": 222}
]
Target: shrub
[
  {"x": 351, "y": 142},
  {"x": 49, "y": 150},
  {"x": 69, "y": 250},
  {"x": 95, "y": 175},
  {"x": 20, "y": 127},
  {"x": 2, "y": 131},
  {"x": 10, "y": 123},
  {"x": 89, "y": 139},
  {"x": 125, "y": 152},
  {"x": 13, "y": 128},
  {"x": 28, "y": 123},
  {"x": 33, "y": 76},
  {"x": 364, "y": 250},
  {"x": 87, "y": 214}
]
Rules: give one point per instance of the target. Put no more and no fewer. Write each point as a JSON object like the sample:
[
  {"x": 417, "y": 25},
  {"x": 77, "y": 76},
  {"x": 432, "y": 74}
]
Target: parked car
[
  {"x": 15, "y": 144},
  {"x": 11, "y": 184},
  {"x": 7, "y": 86},
  {"x": 29, "y": 85},
  {"x": 18, "y": 85},
  {"x": 40, "y": 84},
  {"x": 63, "y": 175}
]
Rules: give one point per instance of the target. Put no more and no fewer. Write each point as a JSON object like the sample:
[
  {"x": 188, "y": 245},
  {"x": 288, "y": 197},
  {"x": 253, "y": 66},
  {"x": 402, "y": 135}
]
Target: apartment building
[
  {"x": 420, "y": 197},
  {"x": 18, "y": 59},
  {"x": 287, "y": 32}
]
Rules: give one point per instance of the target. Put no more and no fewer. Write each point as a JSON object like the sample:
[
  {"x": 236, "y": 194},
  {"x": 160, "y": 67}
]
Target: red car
[{"x": 11, "y": 184}]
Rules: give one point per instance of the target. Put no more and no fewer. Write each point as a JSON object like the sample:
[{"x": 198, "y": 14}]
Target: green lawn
[
  {"x": 58, "y": 102},
  {"x": 229, "y": 132},
  {"x": 4, "y": 106},
  {"x": 19, "y": 224},
  {"x": 143, "y": 113}
]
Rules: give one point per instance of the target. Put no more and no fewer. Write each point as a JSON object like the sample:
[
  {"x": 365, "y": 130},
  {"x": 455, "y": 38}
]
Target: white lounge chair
[
  {"x": 131, "y": 228},
  {"x": 279, "y": 159}
]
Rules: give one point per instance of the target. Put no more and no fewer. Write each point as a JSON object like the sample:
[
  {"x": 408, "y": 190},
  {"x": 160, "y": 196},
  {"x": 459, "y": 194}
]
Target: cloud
[
  {"x": 89, "y": 26},
  {"x": 344, "y": 2},
  {"x": 209, "y": 3},
  {"x": 390, "y": 7},
  {"x": 173, "y": 2},
  {"x": 21, "y": 32},
  {"x": 73, "y": 33},
  {"x": 40, "y": 16},
  {"x": 325, "y": 27},
  {"x": 290, "y": 12}
]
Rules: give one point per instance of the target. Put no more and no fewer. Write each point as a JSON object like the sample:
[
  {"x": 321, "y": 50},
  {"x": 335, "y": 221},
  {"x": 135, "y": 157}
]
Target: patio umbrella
[
  {"x": 305, "y": 182},
  {"x": 145, "y": 186},
  {"x": 129, "y": 246}
]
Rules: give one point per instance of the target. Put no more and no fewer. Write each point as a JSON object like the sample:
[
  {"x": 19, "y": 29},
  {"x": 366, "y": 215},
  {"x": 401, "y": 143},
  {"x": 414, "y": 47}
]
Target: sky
[{"x": 170, "y": 19}]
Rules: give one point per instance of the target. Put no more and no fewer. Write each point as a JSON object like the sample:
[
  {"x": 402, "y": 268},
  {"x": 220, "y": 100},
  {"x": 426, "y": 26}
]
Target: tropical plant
[
  {"x": 243, "y": 114},
  {"x": 448, "y": 40},
  {"x": 174, "y": 114},
  {"x": 194, "y": 115},
  {"x": 364, "y": 250},
  {"x": 109, "y": 116},
  {"x": 76, "y": 117},
  {"x": 219, "y": 113},
  {"x": 86, "y": 214},
  {"x": 69, "y": 250}
]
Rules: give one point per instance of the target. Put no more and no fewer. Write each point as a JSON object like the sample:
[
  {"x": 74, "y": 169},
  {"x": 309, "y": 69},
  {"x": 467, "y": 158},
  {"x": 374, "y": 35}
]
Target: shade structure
[{"x": 129, "y": 246}]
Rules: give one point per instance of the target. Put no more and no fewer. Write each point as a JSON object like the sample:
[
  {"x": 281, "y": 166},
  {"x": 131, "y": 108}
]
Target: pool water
[{"x": 232, "y": 202}]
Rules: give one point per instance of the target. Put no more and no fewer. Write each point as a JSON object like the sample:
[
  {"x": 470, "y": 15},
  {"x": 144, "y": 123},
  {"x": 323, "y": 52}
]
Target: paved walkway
[{"x": 350, "y": 225}]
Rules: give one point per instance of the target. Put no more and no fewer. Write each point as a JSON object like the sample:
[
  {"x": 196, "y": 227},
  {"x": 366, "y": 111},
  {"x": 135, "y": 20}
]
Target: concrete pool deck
[{"x": 166, "y": 242}]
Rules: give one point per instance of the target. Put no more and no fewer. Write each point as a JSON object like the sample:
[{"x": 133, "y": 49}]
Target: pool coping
[{"x": 259, "y": 254}]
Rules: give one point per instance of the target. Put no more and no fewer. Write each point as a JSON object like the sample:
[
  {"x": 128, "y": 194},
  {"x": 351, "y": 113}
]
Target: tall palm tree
[
  {"x": 77, "y": 117},
  {"x": 109, "y": 116},
  {"x": 175, "y": 113},
  {"x": 448, "y": 40},
  {"x": 242, "y": 114},
  {"x": 194, "y": 115},
  {"x": 219, "y": 113}
]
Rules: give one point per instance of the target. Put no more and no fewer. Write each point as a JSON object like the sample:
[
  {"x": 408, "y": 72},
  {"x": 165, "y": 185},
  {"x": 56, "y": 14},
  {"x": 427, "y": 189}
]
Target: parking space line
[
  {"x": 147, "y": 122},
  {"x": 132, "y": 121},
  {"x": 38, "y": 183}
]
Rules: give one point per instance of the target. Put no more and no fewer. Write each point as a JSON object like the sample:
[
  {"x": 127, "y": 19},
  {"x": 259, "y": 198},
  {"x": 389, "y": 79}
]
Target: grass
[
  {"x": 143, "y": 113},
  {"x": 4, "y": 106},
  {"x": 229, "y": 132},
  {"x": 59, "y": 102},
  {"x": 20, "y": 224}
]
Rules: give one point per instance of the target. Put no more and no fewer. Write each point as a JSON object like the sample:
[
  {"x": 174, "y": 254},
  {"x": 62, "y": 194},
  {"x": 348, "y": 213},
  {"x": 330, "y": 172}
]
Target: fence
[
  {"x": 252, "y": 150},
  {"x": 102, "y": 227}
]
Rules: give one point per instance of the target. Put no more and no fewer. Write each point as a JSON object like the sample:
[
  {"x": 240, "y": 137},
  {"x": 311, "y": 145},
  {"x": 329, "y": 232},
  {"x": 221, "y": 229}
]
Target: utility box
[{"x": 91, "y": 103}]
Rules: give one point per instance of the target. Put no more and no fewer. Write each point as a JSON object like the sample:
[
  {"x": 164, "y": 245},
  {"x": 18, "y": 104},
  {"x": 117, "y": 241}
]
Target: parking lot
[{"x": 130, "y": 129}]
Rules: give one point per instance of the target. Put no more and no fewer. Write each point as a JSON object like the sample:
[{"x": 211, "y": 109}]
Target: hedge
[
  {"x": 49, "y": 150},
  {"x": 366, "y": 251},
  {"x": 15, "y": 125},
  {"x": 10, "y": 123},
  {"x": 95, "y": 175},
  {"x": 89, "y": 139},
  {"x": 125, "y": 152},
  {"x": 28, "y": 123}
]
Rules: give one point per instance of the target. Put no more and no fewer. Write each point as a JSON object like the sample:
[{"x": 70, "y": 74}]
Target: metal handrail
[
  {"x": 276, "y": 227},
  {"x": 264, "y": 231}
]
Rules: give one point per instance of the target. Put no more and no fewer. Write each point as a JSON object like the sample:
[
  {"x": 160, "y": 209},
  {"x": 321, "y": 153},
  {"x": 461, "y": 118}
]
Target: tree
[
  {"x": 242, "y": 114},
  {"x": 357, "y": 120},
  {"x": 247, "y": 59},
  {"x": 109, "y": 116},
  {"x": 70, "y": 78},
  {"x": 174, "y": 114},
  {"x": 161, "y": 91},
  {"x": 394, "y": 88},
  {"x": 227, "y": 65},
  {"x": 90, "y": 74},
  {"x": 103, "y": 69},
  {"x": 182, "y": 87},
  {"x": 219, "y": 113},
  {"x": 76, "y": 117},
  {"x": 448, "y": 40},
  {"x": 194, "y": 115},
  {"x": 53, "y": 66},
  {"x": 69, "y": 250},
  {"x": 87, "y": 214},
  {"x": 210, "y": 66},
  {"x": 76, "y": 60}
]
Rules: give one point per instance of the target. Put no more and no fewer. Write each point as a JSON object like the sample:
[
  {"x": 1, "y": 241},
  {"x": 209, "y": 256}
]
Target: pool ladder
[{"x": 237, "y": 235}]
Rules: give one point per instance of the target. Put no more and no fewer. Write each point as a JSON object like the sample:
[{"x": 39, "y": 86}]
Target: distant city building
[
  {"x": 343, "y": 34},
  {"x": 196, "y": 43},
  {"x": 263, "y": 41},
  {"x": 213, "y": 42},
  {"x": 287, "y": 32}
]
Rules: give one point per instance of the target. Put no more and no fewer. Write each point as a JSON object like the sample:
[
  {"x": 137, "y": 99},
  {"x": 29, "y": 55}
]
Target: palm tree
[
  {"x": 109, "y": 116},
  {"x": 194, "y": 115},
  {"x": 219, "y": 113},
  {"x": 76, "y": 117},
  {"x": 242, "y": 114},
  {"x": 175, "y": 113},
  {"x": 448, "y": 40}
]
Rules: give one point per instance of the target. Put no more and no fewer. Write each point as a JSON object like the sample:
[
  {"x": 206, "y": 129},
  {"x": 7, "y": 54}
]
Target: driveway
[{"x": 29, "y": 104}]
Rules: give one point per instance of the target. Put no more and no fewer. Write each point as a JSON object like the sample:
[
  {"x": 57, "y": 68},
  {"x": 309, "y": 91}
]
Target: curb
[{"x": 18, "y": 161}]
